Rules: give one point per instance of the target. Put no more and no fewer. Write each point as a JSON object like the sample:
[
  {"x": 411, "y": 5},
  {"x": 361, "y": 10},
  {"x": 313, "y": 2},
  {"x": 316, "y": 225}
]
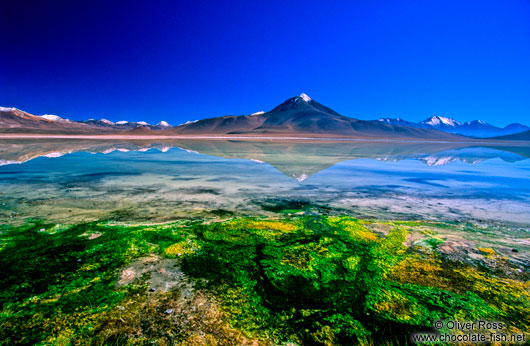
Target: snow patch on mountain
[
  {"x": 394, "y": 121},
  {"x": 163, "y": 124},
  {"x": 390, "y": 120},
  {"x": 438, "y": 120},
  {"x": 304, "y": 97},
  {"x": 474, "y": 122},
  {"x": 53, "y": 117},
  {"x": 122, "y": 122},
  {"x": 258, "y": 113},
  {"x": 189, "y": 122}
]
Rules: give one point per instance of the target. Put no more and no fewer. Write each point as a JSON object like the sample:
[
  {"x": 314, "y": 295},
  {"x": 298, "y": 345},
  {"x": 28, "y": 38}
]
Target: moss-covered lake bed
[{"x": 295, "y": 279}]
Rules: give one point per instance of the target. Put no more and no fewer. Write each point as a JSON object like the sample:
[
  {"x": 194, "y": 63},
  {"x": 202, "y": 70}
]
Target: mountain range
[
  {"x": 474, "y": 128},
  {"x": 14, "y": 120},
  {"x": 299, "y": 116},
  {"x": 126, "y": 125},
  {"x": 302, "y": 116}
]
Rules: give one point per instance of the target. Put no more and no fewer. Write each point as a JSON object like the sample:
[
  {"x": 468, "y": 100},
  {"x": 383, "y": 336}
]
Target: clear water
[{"x": 84, "y": 180}]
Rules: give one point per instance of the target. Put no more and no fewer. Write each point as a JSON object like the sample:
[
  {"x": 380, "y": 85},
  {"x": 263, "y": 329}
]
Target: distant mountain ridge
[
  {"x": 298, "y": 116},
  {"x": 13, "y": 120},
  {"x": 474, "y": 128},
  {"x": 126, "y": 125}
]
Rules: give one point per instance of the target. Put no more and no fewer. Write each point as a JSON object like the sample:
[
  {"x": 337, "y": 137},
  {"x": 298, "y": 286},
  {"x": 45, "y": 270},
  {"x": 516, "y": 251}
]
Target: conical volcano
[{"x": 302, "y": 116}]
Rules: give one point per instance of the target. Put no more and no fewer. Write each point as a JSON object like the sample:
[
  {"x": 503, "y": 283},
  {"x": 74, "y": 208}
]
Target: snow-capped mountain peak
[
  {"x": 122, "y": 122},
  {"x": 438, "y": 120},
  {"x": 7, "y": 109},
  {"x": 163, "y": 124},
  {"x": 53, "y": 117},
  {"x": 142, "y": 123},
  {"x": 304, "y": 97},
  {"x": 107, "y": 121},
  {"x": 473, "y": 128}
]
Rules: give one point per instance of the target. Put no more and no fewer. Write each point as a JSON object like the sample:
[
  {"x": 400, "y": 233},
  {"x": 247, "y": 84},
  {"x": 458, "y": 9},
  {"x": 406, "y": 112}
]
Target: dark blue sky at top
[{"x": 186, "y": 60}]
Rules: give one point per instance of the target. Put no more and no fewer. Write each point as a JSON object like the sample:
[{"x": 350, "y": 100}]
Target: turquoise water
[{"x": 82, "y": 180}]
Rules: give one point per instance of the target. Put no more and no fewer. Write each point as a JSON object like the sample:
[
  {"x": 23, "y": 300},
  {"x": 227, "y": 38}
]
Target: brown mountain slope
[
  {"x": 140, "y": 131},
  {"x": 302, "y": 116},
  {"x": 14, "y": 120}
]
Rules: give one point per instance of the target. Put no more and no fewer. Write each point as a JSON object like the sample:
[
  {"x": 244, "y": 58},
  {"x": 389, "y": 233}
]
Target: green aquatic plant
[
  {"x": 335, "y": 267},
  {"x": 306, "y": 280}
]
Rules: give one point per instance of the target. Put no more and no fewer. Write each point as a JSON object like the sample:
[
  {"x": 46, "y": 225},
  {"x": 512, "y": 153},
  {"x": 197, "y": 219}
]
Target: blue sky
[{"x": 186, "y": 60}]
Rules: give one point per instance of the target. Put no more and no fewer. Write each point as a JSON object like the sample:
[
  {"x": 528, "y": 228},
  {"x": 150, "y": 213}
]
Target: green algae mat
[{"x": 308, "y": 280}]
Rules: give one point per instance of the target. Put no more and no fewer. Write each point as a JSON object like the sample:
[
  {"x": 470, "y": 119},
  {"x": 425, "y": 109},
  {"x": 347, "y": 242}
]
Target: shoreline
[{"x": 270, "y": 138}]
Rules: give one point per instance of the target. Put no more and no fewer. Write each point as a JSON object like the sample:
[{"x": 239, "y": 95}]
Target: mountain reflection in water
[
  {"x": 68, "y": 180},
  {"x": 295, "y": 159}
]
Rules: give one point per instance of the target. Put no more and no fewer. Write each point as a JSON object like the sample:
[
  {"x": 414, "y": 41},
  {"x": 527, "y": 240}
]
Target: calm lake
[{"x": 68, "y": 181}]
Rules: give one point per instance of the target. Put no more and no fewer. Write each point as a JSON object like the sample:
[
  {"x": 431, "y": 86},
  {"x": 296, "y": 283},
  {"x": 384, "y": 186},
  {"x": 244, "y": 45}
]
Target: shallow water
[{"x": 71, "y": 181}]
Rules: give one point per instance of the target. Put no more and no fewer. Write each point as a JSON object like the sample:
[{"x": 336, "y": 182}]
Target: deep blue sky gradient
[{"x": 186, "y": 60}]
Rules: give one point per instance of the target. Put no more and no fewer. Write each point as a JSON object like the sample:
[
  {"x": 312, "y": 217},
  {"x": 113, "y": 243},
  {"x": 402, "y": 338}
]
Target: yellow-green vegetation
[
  {"x": 307, "y": 280},
  {"x": 487, "y": 251},
  {"x": 181, "y": 248}
]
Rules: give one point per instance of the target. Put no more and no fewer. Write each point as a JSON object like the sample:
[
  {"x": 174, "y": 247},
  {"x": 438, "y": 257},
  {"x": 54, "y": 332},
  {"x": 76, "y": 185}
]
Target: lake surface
[{"x": 70, "y": 181}]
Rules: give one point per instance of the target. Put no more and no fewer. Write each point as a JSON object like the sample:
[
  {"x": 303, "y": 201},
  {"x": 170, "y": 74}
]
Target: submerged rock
[
  {"x": 127, "y": 276},
  {"x": 161, "y": 274}
]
